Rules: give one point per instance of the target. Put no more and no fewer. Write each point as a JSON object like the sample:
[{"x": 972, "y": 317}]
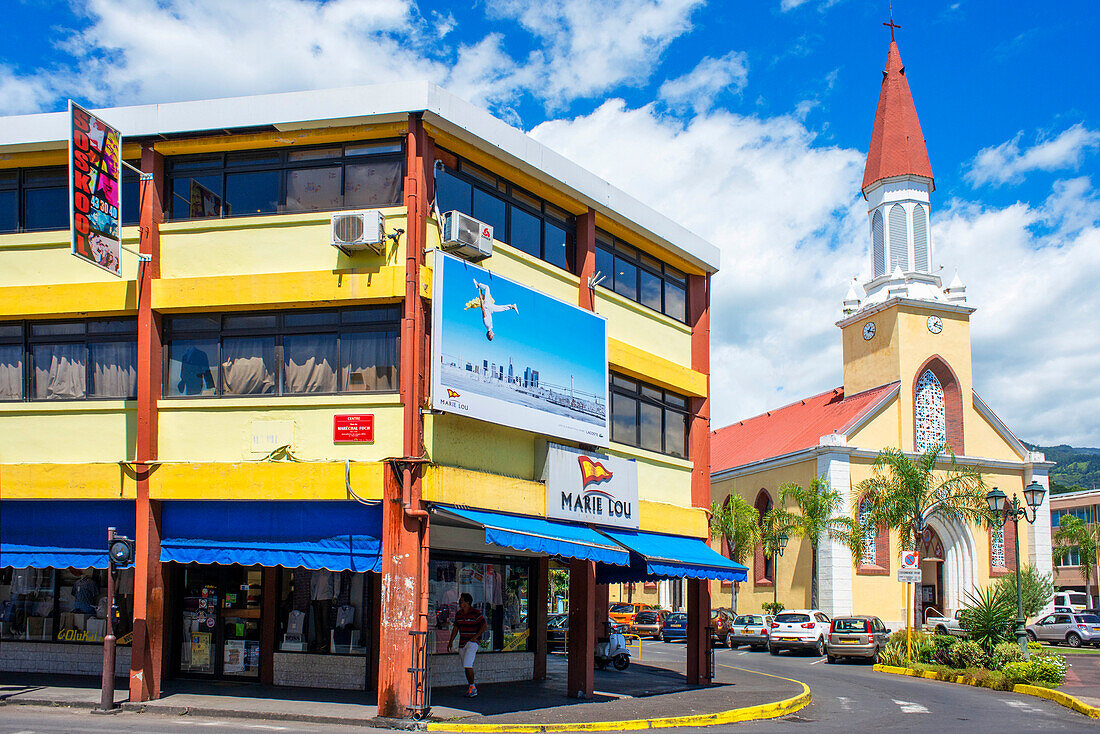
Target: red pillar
[
  {"x": 540, "y": 595},
  {"x": 586, "y": 257},
  {"x": 148, "y": 659},
  {"x": 698, "y": 591},
  {"x": 581, "y": 642},
  {"x": 404, "y": 522}
]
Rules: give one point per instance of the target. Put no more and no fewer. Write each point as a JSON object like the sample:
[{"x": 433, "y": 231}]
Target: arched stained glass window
[
  {"x": 929, "y": 407},
  {"x": 867, "y": 554}
]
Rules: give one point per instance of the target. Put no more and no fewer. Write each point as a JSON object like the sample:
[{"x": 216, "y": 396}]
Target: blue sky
[{"x": 745, "y": 121}]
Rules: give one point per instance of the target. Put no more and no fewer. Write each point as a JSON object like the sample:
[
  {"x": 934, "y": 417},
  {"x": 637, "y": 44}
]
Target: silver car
[
  {"x": 1073, "y": 629},
  {"x": 750, "y": 629}
]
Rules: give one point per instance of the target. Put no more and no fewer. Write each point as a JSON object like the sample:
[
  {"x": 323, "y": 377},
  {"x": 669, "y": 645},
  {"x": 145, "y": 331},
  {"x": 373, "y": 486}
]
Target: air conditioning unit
[
  {"x": 466, "y": 237},
  {"x": 358, "y": 231}
]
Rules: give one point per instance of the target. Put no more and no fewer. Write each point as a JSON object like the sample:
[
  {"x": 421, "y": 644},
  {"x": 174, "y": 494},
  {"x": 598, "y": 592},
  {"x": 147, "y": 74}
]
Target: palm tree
[
  {"x": 817, "y": 519},
  {"x": 903, "y": 492},
  {"x": 738, "y": 523},
  {"x": 1073, "y": 532}
]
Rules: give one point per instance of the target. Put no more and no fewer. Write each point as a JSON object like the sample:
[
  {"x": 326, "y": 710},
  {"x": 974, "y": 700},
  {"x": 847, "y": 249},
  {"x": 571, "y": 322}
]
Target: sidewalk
[{"x": 643, "y": 691}]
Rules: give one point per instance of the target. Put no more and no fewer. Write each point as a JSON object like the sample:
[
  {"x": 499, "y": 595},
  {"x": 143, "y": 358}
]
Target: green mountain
[{"x": 1075, "y": 469}]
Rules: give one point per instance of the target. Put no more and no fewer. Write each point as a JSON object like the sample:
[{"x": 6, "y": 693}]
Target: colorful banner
[
  {"x": 507, "y": 354},
  {"x": 95, "y": 187}
]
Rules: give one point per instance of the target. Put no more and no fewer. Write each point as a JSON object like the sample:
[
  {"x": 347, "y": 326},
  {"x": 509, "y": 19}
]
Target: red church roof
[
  {"x": 792, "y": 428},
  {"x": 897, "y": 143}
]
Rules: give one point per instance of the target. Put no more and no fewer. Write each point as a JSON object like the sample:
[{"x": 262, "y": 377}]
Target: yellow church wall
[
  {"x": 882, "y": 430},
  {"x": 224, "y": 429},
  {"x": 873, "y": 362},
  {"x": 982, "y": 439}
]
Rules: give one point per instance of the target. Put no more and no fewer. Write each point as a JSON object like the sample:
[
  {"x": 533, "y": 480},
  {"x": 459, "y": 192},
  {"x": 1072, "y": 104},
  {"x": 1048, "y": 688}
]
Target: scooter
[{"x": 613, "y": 651}]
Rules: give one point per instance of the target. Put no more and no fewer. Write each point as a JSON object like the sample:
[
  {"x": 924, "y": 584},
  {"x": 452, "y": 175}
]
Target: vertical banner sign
[{"x": 95, "y": 186}]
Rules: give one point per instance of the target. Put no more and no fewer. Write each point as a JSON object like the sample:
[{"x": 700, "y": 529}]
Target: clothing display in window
[{"x": 84, "y": 593}]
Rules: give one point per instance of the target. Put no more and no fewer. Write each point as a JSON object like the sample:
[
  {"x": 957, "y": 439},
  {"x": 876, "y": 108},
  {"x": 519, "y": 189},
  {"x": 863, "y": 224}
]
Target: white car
[{"x": 799, "y": 629}]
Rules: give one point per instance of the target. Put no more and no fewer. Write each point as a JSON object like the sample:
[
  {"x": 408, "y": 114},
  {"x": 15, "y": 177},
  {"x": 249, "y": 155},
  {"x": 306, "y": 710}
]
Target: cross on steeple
[{"x": 892, "y": 25}]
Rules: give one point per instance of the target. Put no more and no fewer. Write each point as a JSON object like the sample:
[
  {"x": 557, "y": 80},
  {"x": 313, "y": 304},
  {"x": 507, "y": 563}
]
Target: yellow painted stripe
[
  {"x": 748, "y": 713},
  {"x": 454, "y": 486},
  {"x": 660, "y": 517},
  {"x": 1063, "y": 699},
  {"x": 637, "y": 363},
  {"x": 66, "y": 481},
  {"x": 65, "y": 299},
  {"x": 264, "y": 480},
  {"x": 281, "y": 139},
  {"x": 58, "y": 156},
  {"x": 311, "y": 288}
]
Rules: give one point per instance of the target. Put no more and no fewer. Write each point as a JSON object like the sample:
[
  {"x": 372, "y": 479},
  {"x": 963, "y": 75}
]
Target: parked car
[
  {"x": 624, "y": 612},
  {"x": 648, "y": 623},
  {"x": 750, "y": 629},
  {"x": 856, "y": 637},
  {"x": 721, "y": 622},
  {"x": 946, "y": 625},
  {"x": 798, "y": 629},
  {"x": 1073, "y": 629},
  {"x": 557, "y": 630},
  {"x": 675, "y": 627}
]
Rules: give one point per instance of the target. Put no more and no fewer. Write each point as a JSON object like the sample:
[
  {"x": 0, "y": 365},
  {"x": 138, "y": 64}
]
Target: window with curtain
[
  {"x": 11, "y": 362},
  {"x": 931, "y": 422},
  {"x": 283, "y": 353}
]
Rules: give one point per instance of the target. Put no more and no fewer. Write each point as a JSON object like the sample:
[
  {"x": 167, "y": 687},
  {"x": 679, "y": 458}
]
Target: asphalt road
[{"x": 849, "y": 698}]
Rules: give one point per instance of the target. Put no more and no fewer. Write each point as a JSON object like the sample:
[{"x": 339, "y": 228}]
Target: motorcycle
[{"x": 613, "y": 651}]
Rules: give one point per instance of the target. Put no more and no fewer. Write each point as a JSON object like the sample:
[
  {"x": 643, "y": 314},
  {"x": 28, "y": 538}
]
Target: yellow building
[
  {"x": 259, "y": 396},
  {"x": 908, "y": 384}
]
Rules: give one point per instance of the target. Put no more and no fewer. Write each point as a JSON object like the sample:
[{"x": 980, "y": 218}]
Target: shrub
[
  {"x": 989, "y": 616},
  {"x": 1004, "y": 653},
  {"x": 967, "y": 654},
  {"x": 772, "y": 607},
  {"x": 1047, "y": 670},
  {"x": 1034, "y": 646}
]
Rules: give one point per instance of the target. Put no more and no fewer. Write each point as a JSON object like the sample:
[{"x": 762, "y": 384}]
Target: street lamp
[
  {"x": 778, "y": 547},
  {"x": 1033, "y": 496}
]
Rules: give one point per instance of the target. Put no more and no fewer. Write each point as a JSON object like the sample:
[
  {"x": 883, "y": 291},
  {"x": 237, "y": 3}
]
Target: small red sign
[{"x": 356, "y": 428}]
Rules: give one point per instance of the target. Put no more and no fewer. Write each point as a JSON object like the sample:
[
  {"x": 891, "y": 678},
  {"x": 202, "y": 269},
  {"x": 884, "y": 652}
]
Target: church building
[{"x": 908, "y": 384}]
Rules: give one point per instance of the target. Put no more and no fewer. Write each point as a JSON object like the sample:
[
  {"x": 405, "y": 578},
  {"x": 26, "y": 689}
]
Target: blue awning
[
  {"x": 654, "y": 556},
  {"x": 540, "y": 535},
  {"x": 61, "y": 533},
  {"x": 334, "y": 535}
]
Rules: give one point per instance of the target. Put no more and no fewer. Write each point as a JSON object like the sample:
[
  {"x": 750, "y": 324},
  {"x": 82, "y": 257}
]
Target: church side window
[
  {"x": 877, "y": 244},
  {"x": 899, "y": 238},
  {"x": 867, "y": 552},
  {"x": 929, "y": 405},
  {"x": 920, "y": 239},
  {"x": 997, "y": 547}
]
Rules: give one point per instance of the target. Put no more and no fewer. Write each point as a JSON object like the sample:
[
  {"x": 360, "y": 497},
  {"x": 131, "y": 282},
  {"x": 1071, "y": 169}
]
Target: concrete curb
[
  {"x": 748, "y": 713},
  {"x": 1050, "y": 694}
]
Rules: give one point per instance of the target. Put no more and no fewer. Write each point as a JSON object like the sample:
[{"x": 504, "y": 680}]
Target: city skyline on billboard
[
  {"x": 507, "y": 354},
  {"x": 95, "y": 186}
]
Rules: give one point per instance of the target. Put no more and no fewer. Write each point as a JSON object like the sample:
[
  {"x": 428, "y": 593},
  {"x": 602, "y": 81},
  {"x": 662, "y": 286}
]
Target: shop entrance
[{"x": 219, "y": 621}]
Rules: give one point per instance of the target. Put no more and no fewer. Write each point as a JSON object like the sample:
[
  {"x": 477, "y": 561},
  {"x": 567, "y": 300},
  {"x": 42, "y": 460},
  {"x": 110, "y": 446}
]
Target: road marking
[
  {"x": 235, "y": 724},
  {"x": 909, "y": 707},
  {"x": 818, "y": 661},
  {"x": 1023, "y": 706},
  {"x": 845, "y": 703},
  {"x": 743, "y": 652}
]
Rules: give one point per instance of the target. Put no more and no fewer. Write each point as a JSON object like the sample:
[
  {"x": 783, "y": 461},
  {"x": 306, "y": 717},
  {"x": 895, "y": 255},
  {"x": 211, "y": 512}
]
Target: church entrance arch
[{"x": 948, "y": 565}]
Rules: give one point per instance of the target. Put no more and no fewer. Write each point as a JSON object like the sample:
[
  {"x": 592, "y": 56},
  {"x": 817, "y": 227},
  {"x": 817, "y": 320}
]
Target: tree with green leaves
[
  {"x": 1036, "y": 589},
  {"x": 820, "y": 516},
  {"x": 1073, "y": 533},
  {"x": 904, "y": 492},
  {"x": 738, "y": 523}
]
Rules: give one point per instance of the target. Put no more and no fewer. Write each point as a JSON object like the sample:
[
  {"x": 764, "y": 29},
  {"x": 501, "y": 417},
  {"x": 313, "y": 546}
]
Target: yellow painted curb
[
  {"x": 748, "y": 713},
  {"x": 1050, "y": 694}
]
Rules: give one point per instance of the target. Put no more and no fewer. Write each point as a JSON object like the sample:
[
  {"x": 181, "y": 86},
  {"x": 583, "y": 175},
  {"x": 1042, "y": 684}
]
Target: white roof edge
[{"x": 353, "y": 105}]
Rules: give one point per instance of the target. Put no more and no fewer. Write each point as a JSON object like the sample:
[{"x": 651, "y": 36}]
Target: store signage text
[
  {"x": 591, "y": 488},
  {"x": 353, "y": 428}
]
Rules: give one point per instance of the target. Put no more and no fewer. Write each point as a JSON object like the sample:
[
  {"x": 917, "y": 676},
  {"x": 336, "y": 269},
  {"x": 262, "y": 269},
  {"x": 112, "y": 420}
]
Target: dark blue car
[{"x": 675, "y": 627}]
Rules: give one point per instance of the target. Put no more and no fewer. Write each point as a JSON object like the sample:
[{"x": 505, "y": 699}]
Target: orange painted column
[
  {"x": 581, "y": 641},
  {"x": 148, "y": 662},
  {"x": 402, "y": 607},
  {"x": 585, "y": 257},
  {"x": 698, "y": 591}
]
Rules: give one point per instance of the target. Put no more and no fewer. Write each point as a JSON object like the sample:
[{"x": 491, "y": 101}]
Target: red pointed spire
[{"x": 897, "y": 143}]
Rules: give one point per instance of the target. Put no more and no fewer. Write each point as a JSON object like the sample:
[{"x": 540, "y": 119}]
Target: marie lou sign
[{"x": 591, "y": 487}]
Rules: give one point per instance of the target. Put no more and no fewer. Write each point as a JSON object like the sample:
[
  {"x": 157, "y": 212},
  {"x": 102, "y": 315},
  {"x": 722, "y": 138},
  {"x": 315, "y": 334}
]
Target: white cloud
[
  {"x": 698, "y": 88},
  {"x": 786, "y": 5},
  {"x": 1005, "y": 163}
]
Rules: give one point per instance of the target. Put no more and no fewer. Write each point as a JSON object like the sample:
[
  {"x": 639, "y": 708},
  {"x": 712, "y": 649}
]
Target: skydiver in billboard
[{"x": 488, "y": 306}]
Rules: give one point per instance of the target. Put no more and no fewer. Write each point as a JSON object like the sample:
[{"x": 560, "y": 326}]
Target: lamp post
[
  {"x": 1033, "y": 496},
  {"x": 779, "y": 544}
]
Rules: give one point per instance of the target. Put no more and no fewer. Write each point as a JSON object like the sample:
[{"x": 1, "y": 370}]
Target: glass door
[
  {"x": 220, "y": 608},
  {"x": 241, "y": 607},
  {"x": 199, "y": 618}
]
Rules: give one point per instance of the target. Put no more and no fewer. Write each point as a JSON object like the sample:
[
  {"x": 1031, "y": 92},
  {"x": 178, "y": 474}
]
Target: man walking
[{"x": 469, "y": 625}]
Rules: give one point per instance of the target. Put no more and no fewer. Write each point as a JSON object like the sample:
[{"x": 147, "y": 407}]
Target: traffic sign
[
  {"x": 910, "y": 560},
  {"x": 909, "y": 575}
]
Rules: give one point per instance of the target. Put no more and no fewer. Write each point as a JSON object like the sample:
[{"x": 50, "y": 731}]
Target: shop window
[
  {"x": 643, "y": 279},
  {"x": 500, "y": 588},
  {"x": 283, "y": 353},
  {"x": 519, "y": 219},
  {"x": 648, "y": 417},
  {"x": 351, "y": 176},
  {"x": 63, "y": 605},
  {"x": 68, "y": 360},
  {"x": 323, "y": 612}
]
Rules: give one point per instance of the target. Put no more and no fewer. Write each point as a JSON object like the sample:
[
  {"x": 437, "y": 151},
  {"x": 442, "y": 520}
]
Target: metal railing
[{"x": 632, "y": 646}]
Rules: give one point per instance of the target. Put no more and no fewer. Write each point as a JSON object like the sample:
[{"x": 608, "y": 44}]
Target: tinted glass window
[
  {"x": 1089, "y": 619},
  {"x": 9, "y": 220},
  {"x": 490, "y": 209},
  {"x": 558, "y": 246},
  {"x": 621, "y": 608},
  {"x": 256, "y": 192},
  {"x": 453, "y": 193},
  {"x": 791, "y": 618},
  {"x": 648, "y": 417},
  {"x": 45, "y": 209},
  {"x": 849, "y": 625},
  {"x": 526, "y": 232}
]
